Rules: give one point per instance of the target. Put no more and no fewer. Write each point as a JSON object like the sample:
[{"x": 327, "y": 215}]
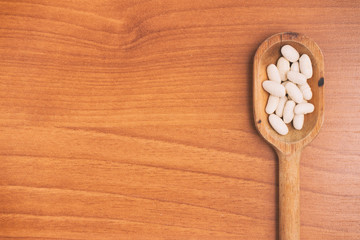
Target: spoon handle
[{"x": 289, "y": 196}]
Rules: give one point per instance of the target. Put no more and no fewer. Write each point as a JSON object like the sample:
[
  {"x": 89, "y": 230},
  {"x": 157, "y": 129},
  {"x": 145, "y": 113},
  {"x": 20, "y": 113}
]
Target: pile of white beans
[{"x": 289, "y": 90}]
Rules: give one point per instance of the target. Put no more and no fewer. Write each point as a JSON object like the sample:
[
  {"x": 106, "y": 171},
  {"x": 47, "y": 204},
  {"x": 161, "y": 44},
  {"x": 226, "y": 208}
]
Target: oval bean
[
  {"x": 290, "y": 53},
  {"x": 288, "y": 114},
  {"x": 294, "y": 92},
  {"x": 298, "y": 121},
  {"x": 305, "y": 66},
  {"x": 273, "y": 73},
  {"x": 284, "y": 66},
  {"x": 278, "y": 124},
  {"x": 272, "y": 104},
  {"x": 296, "y": 77},
  {"x": 306, "y": 91},
  {"x": 274, "y": 88},
  {"x": 304, "y": 108},
  {"x": 280, "y": 108},
  {"x": 295, "y": 67}
]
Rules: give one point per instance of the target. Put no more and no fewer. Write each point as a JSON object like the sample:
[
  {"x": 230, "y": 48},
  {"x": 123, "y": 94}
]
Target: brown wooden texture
[
  {"x": 289, "y": 196},
  {"x": 133, "y": 120}
]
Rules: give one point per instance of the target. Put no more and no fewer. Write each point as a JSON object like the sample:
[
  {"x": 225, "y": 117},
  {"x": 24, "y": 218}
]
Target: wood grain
[
  {"x": 289, "y": 196},
  {"x": 133, "y": 120}
]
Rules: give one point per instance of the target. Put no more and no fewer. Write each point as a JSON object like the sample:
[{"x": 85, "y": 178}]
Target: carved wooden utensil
[{"x": 288, "y": 147}]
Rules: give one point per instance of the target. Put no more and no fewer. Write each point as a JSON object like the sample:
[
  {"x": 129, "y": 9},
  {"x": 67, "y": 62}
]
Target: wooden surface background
[{"x": 133, "y": 120}]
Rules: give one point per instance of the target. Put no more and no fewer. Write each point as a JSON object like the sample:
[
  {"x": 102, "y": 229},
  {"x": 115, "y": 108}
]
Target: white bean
[
  {"x": 280, "y": 108},
  {"x": 274, "y": 88},
  {"x": 272, "y": 104},
  {"x": 290, "y": 53},
  {"x": 298, "y": 121},
  {"x": 278, "y": 124},
  {"x": 273, "y": 73},
  {"x": 305, "y": 66},
  {"x": 304, "y": 108},
  {"x": 288, "y": 114},
  {"x": 296, "y": 77},
  {"x": 284, "y": 66},
  {"x": 295, "y": 67},
  {"x": 294, "y": 92},
  {"x": 306, "y": 91}
]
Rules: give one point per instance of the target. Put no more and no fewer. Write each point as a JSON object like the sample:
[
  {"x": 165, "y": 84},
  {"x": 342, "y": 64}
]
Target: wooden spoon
[{"x": 288, "y": 147}]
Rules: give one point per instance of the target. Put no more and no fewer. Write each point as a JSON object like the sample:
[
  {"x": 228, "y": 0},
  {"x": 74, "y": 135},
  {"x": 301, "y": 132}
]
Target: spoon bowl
[
  {"x": 288, "y": 147},
  {"x": 269, "y": 52}
]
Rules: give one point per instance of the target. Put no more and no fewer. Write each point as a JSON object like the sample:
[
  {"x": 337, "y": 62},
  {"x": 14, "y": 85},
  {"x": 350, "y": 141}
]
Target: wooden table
[{"x": 133, "y": 120}]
